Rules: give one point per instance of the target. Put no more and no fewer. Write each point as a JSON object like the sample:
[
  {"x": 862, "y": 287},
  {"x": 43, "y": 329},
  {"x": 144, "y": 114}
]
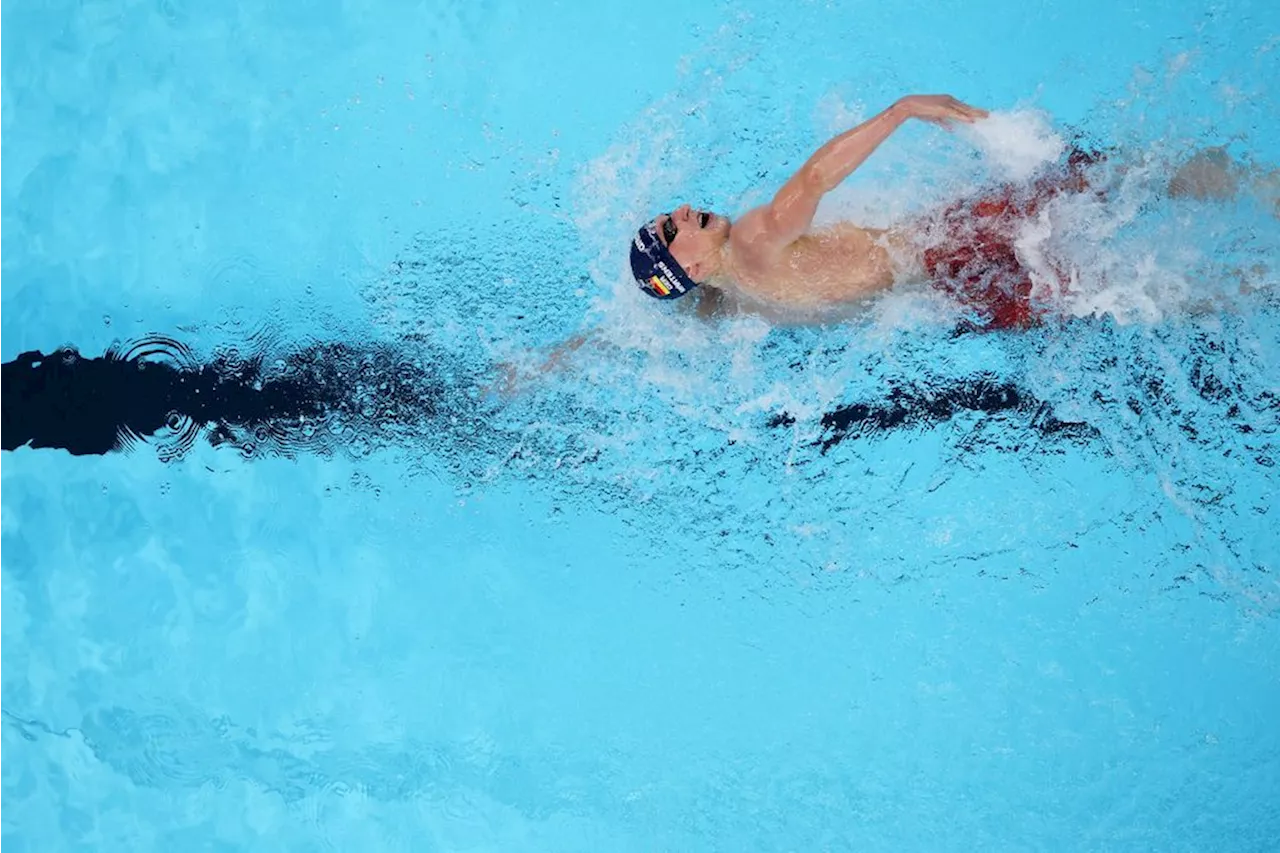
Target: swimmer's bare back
[{"x": 773, "y": 258}]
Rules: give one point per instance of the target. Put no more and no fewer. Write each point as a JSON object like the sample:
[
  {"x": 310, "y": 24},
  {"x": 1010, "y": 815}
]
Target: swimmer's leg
[
  {"x": 1266, "y": 187},
  {"x": 1211, "y": 174},
  {"x": 1214, "y": 175}
]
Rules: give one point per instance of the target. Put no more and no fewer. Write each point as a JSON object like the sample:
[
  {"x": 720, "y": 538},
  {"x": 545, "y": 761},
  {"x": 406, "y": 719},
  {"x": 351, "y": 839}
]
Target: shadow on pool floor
[{"x": 324, "y": 396}]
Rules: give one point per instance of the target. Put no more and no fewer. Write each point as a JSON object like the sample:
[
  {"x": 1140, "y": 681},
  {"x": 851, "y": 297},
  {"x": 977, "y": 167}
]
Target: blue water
[{"x": 639, "y": 607}]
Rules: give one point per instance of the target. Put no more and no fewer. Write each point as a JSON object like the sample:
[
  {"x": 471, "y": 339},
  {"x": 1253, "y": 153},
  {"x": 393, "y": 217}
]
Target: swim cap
[{"x": 655, "y": 269}]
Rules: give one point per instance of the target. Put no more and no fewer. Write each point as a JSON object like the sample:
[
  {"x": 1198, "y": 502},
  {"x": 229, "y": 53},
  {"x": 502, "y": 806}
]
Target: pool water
[{"x": 867, "y": 586}]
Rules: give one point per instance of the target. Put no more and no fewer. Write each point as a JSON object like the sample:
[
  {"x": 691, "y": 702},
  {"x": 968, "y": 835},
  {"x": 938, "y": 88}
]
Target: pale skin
[{"x": 772, "y": 262}]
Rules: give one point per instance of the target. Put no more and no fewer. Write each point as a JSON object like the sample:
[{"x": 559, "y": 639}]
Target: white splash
[{"x": 1016, "y": 143}]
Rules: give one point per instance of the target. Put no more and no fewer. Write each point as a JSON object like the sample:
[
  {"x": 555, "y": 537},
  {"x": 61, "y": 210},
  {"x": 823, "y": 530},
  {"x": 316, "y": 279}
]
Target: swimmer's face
[{"x": 695, "y": 238}]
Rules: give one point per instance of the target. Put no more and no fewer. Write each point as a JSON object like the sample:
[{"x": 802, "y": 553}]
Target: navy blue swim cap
[{"x": 655, "y": 269}]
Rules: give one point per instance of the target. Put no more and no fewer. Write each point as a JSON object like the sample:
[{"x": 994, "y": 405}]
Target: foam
[{"x": 1016, "y": 144}]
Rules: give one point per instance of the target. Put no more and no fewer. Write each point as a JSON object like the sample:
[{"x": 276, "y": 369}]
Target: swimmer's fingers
[
  {"x": 943, "y": 109},
  {"x": 947, "y": 122},
  {"x": 958, "y": 112},
  {"x": 968, "y": 113}
]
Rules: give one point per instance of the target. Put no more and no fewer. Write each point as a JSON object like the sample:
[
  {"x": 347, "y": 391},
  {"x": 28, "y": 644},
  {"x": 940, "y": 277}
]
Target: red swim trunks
[{"x": 976, "y": 262}]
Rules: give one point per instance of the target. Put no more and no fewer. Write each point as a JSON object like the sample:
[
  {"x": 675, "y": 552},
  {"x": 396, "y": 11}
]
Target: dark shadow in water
[
  {"x": 319, "y": 398},
  {"x": 337, "y": 397},
  {"x": 926, "y": 406}
]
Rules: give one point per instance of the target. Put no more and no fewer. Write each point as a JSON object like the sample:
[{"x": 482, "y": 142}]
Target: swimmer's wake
[{"x": 337, "y": 397}]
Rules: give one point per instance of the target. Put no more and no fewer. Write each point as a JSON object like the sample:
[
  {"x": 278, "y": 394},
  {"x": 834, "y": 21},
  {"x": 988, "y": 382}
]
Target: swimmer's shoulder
[
  {"x": 753, "y": 255},
  {"x": 711, "y": 301},
  {"x": 749, "y": 235}
]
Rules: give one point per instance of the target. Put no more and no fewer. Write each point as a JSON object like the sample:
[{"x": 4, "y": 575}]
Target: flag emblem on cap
[{"x": 659, "y": 285}]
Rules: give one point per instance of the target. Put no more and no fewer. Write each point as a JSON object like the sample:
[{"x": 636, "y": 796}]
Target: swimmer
[
  {"x": 773, "y": 263},
  {"x": 769, "y": 260}
]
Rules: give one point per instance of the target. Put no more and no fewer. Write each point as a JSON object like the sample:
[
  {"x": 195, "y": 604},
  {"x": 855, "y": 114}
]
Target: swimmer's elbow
[
  {"x": 820, "y": 177},
  {"x": 793, "y": 209},
  {"x": 811, "y": 181}
]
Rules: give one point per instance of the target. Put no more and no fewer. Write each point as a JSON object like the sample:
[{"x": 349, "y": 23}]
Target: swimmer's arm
[
  {"x": 791, "y": 212},
  {"x": 708, "y": 304},
  {"x": 512, "y": 378},
  {"x": 557, "y": 358}
]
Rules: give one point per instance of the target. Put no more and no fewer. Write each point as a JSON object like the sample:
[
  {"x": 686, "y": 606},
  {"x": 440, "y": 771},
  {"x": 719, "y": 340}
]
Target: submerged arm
[
  {"x": 511, "y": 379},
  {"x": 791, "y": 212},
  {"x": 707, "y": 303}
]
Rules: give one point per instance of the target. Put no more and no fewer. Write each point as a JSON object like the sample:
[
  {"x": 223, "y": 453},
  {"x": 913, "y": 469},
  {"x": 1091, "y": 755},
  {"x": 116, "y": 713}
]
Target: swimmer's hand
[
  {"x": 942, "y": 110},
  {"x": 505, "y": 384},
  {"x": 512, "y": 379}
]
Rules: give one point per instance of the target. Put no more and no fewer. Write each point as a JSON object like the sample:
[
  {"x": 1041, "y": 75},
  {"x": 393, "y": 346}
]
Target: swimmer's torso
[{"x": 822, "y": 270}]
